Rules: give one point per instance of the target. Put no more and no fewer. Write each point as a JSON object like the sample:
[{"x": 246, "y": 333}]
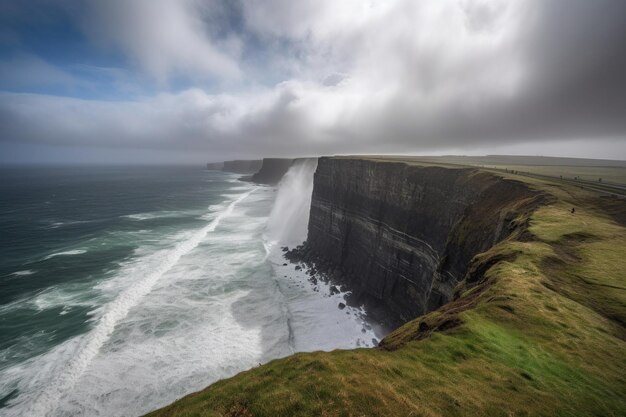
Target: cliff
[
  {"x": 242, "y": 166},
  {"x": 403, "y": 234},
  {"x": 536, "y": 325},
  {"x": 272, "y": 170}
]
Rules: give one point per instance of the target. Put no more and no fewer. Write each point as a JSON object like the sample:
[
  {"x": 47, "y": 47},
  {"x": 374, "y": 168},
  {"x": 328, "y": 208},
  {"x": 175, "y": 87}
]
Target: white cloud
[
  {"x": 363, "y": 76},
  {"x": 166, "y": 38}
]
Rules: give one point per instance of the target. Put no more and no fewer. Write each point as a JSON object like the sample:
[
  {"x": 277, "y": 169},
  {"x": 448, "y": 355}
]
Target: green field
[
  {"x": 585, "y": 169},
  {"x": 603, "y": 176},
  {"x": 539, "y": 329},
  {"x": 614, "y": 175}
]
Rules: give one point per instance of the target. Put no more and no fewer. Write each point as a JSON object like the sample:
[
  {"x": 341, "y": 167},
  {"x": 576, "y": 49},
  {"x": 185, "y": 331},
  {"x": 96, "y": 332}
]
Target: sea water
[{"x": 123, "y": 289}]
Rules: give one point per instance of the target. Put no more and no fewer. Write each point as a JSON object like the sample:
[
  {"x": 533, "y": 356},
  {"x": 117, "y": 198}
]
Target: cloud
[
  {"x": 354, "y": 76},
  {"x": 189, "y": 120},
  {"x": 166, "y": 38}
]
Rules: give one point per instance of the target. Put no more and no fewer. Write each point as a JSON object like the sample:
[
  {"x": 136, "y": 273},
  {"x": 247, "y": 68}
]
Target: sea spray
[
  {"x": 316, "y": 316},
  {"x": 289, "y": 218}
]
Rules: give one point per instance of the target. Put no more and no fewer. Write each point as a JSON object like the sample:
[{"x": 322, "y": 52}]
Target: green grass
[
  {"x": 608, "y": 174},
  {"x": 615, "y": 175},
  {"x": 540, "y": 334}
]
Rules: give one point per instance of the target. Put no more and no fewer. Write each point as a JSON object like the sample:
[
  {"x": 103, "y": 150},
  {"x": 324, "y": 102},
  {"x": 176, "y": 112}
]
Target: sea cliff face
[
  {"x": 404, "y": 235},
  {"x": 272, "y": 170},
  {"x": 242, "y": 166},
  {"x": 536, "y": 316}
]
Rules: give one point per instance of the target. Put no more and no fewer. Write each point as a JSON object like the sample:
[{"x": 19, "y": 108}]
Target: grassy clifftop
[{"x": 537, "y": 328}]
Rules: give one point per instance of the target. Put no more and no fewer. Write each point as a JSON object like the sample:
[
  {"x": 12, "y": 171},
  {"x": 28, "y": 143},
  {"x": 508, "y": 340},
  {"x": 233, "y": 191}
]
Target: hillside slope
[{"x": 537, "y": 327}]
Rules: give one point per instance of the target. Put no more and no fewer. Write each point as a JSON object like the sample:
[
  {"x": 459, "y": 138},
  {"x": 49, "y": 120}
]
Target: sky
[{"x": 191, "y": 81}]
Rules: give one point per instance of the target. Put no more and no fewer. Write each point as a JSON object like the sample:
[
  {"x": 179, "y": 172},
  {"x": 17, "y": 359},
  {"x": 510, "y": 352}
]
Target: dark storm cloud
[
  {"x": 571, "y": 83},
  {"x": 573, "y": 54},
  {"x": 398, "y": 76}
]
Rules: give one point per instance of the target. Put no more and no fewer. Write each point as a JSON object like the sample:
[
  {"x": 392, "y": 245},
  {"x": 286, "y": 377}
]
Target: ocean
[{"x": 125, "y": 288}]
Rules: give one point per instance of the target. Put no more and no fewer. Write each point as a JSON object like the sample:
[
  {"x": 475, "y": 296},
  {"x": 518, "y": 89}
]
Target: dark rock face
[
  {"x": 404, "y": 235},
  {"x": 242, "y": 166},
  {"x": 272, "y": 170}
]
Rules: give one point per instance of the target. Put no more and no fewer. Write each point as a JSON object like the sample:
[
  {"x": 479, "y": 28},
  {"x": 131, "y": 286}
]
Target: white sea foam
[
  {"x": 75, "y": 294},
  {"x": 66, "y": 253},
  {"x": 181, "y": 313},
  {"x": 319, "y": 316},
  {"x": 56, "y": 225},
  {"x": 47, "y": 400},
  {"x": 156, "y": 215},
  {"x": 24, "y": 273}
]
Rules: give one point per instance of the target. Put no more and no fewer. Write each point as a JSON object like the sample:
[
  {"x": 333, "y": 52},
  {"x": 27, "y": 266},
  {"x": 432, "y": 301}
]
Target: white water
[
  {"x": 190, "y": 309},
  {"x": 66, "y": 253},
  {"x": 23, "y": 273},
  {"x": 46, "y": 401},
  {"x": 315, "y": 319},
  {"x": 289, "y": 219},
  {"x": 155, "y": 215}
]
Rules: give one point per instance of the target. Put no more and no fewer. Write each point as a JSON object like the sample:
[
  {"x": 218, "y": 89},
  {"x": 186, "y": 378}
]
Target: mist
[{"x": 288, "y": 221}]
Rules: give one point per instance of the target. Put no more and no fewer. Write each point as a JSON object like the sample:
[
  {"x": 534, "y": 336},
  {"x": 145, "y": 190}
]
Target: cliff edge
[
  {"x": 403, "y": 235},
  {"x": 535, "y": 326}
]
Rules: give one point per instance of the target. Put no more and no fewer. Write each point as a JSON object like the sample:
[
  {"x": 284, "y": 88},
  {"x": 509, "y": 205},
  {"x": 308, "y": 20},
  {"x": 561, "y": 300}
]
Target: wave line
[{"x": 116, "y": 311}]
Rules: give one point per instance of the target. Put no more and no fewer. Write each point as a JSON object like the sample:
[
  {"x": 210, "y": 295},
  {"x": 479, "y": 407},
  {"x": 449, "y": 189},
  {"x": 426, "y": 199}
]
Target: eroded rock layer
[{"x": 403, "y": 234}]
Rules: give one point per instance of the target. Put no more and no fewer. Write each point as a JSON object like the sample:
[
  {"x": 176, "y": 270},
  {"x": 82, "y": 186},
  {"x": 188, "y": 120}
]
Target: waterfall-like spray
[{"x": 289, "y": 219}]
